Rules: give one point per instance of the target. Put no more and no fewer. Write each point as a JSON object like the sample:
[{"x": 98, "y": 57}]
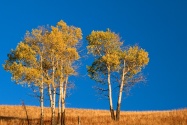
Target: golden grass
[{"x": 16, "y": 115}]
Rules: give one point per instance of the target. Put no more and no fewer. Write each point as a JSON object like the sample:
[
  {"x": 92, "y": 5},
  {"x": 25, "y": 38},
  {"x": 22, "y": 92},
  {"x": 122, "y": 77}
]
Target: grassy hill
[{"x": 16, "y": 115}]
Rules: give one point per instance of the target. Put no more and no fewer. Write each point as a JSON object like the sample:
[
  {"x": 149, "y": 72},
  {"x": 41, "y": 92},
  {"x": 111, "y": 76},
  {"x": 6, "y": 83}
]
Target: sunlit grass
[{"x": 16, "y": 115}]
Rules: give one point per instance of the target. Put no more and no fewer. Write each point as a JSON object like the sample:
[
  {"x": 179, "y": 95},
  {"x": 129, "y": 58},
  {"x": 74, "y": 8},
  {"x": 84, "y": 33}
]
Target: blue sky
[{"x": 160, "y": 27}]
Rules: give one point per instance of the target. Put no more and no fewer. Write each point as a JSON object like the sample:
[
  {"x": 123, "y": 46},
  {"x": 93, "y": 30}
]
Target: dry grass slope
[{"x": 16, "y": 115}]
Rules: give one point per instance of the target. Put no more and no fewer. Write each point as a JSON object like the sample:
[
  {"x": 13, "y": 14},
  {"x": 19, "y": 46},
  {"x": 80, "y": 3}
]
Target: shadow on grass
[{"x": 8, "y": 120}]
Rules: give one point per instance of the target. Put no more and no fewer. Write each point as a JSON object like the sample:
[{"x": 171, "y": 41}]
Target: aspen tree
[
  {"x": 25, "y": 62},
  {"x": 45, "y": 58},
  {"x": 62, "y": 52},
  {"x": 133, "y": 61},
  {"x": 105, "y": 46},
  {"x": 71, "y": 36},
  {"x": 35, "y": 40},
  {"x": 53, "y": 40}
]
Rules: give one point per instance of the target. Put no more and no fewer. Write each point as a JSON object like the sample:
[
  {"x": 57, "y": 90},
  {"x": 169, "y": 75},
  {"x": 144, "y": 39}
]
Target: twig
[{"x": 24, "y": 107}]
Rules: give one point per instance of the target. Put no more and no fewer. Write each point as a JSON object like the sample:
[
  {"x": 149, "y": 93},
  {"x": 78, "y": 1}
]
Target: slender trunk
[
  {"x": 41, "y": 94},
  {"x": 50, "y": 95},
  {"x": 110, "y": 95},
  {"x": 62, "y": 108},
  {"x": 59, "y": 109},
  {"x": 63, "y": 121},
  {"x": 42, "y": 105},
  {"x": 60, "y": 97},
  {"x": 60, "y": 103},
  {"x": 63, "y": 101},
  {"x": 120, "y": 93},
  {"x": 65, "y": 88},
  {"x": 53, "y": 107},
  {"x": 54, "y": 94}
]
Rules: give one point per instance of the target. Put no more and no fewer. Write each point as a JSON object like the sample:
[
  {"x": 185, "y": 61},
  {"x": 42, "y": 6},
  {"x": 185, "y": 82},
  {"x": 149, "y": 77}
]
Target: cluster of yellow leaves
[
  {"x": 101, "y": 43},
  {"x": 72, "y": 54},
  {"x": 106, "y": 46},
  {"x": 23, "y": 74},
  {"x": 44, "y": 50},
  {"x": 135, "y": 59},
  {"x": 111, "y": 60},
  {"x": 71, "y": 34},
  {"x": 16, "y": 70},
  {"x": 32, "y": 74},
  {"x": 26, "y": 53},
  {"x": 69, "y": 70}
]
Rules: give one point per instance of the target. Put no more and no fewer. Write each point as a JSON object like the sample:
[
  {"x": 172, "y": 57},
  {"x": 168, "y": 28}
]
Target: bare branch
[{"x": 140, "y": 78}]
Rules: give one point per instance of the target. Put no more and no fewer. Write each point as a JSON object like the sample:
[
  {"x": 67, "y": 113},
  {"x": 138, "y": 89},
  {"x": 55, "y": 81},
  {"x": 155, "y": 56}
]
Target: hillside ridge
[{"x": 16, "y": 114}]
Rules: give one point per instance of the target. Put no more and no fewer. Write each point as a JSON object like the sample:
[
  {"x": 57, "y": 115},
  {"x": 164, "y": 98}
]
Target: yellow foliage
[
  {"x": 68, "y": 70},
  {"x": 106, "y": 46},
  {"x": 71, "y": 35},
  {"x": 72, "y": 54},
  {"x": 24, "y": 52},
  {"x": 43, "y": 50},
  {"x": 135, "y": 59},
  {"x": 111, "y": 60},
  {"x": 101, "y": 43}
]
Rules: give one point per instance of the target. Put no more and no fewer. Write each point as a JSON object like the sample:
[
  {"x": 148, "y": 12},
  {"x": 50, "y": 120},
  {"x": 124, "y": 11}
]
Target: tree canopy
[
  {"x": 45, "y": 57},
  {"x": 110, "y": 59}
]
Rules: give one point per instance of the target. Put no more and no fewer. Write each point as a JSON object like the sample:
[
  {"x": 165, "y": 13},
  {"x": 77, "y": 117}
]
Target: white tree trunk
[
  {"x": 50, "y": 95},
  {"x": 120, "y": 93},
  {"x": 53, "y": 107},
  {"x": 42, "y": 105},
  {"x": 60, "y": 102},
  {"x": 41, "y": 93},
  {"x": 54, "y": 94},
  {"x": 63, "y": 100},
  {"x": 110, "y": 95}
]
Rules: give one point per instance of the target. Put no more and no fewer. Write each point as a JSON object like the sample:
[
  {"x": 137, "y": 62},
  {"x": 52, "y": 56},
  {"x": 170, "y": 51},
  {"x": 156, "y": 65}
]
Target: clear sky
[{"x": 158, "y": 26}]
